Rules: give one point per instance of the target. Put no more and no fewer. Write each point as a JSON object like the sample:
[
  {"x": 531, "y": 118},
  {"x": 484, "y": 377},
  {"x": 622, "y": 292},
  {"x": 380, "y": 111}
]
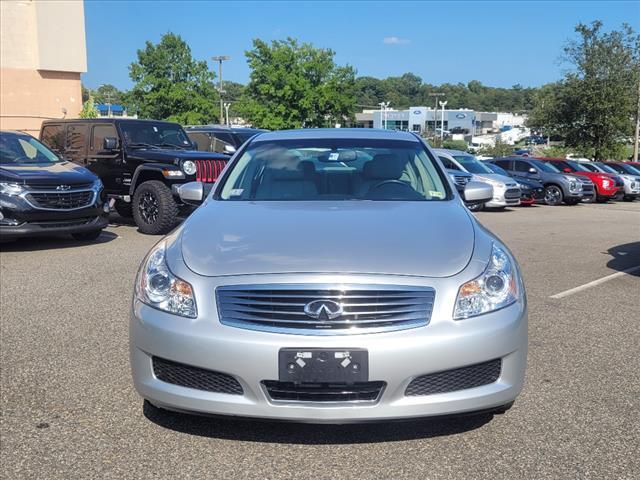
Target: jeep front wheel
[{"x": 154, "y": 210}]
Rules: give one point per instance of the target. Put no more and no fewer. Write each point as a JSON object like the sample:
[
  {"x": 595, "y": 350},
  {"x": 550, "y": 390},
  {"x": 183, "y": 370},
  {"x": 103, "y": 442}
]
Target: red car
[{"x": 607, "y": 185}]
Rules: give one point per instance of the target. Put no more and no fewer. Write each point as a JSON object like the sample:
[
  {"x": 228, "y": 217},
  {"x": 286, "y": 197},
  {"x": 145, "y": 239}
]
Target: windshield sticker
[
  {"x": 236, "y": 192},
  {"x": 436, "y": 194},
  {"x": 334, "y": 156}
]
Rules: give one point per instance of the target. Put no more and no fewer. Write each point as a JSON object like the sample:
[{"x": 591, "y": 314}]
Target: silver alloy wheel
[{"x": 552, "y": 195}]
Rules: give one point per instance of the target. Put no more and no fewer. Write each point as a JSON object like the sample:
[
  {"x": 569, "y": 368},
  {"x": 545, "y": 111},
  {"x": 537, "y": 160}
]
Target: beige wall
[{"x": 42, "y": 53}]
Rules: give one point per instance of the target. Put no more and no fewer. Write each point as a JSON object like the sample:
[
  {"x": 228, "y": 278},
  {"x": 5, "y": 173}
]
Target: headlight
[
  {"x": 11, "y": 188},
  {"x": 189, "y": 167},
  {"x": 606, "y": 183},
  {"x": 496, "y": 288},
  {"x": 574, "y": 186},
  {"x": 159, "y": 288}
]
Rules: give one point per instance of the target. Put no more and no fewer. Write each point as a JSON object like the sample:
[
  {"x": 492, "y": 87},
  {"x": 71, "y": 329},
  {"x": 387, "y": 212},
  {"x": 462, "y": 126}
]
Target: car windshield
[
  {"x": 545, "y": 167},
  {"x": 577, "y": 166},
  {"x": 150, "y": 134},
  {"x": 591, "y": 167},
  {"x": 471, "y": 164},
  {"x": 496, "y": 169},
  {"x": 24, "y": 149},
  {"x": 334, "y": 169},
  {"x": 631, "y": 169},
  {"x": 606, "y": 168}
]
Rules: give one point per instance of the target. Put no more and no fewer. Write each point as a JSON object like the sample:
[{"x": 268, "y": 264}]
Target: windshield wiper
[
  {"x": 142, "y": 145},
  {"x": 172, "y": 145}
]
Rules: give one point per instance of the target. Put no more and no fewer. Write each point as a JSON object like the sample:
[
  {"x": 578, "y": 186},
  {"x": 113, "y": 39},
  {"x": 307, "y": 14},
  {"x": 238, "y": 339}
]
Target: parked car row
[{"x": 137, "y": 167}]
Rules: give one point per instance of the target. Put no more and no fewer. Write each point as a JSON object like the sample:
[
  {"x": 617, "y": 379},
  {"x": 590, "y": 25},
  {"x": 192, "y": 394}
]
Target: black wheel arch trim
[{"x": 155, "y": 168}]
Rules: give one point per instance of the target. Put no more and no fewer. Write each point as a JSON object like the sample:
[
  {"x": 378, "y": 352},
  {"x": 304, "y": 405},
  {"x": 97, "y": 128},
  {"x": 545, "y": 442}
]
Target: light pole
[
  {"x": 442, "y": 104},
  {"x": 220, "y": 59},
  {"x": 226, "y": 109},
  {"x": 435, "y": 110},
  {"x": 383, "y": 113}
]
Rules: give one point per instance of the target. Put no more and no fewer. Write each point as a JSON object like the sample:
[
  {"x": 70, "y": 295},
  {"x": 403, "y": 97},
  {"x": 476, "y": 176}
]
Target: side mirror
[
  {"x": 230, "y": 149},
  {"x": 567, "y": 170},
  {"x": 191, "y": 193},
  {"x": 477, "y": 192},
  {"x": 110, "y": 143},
  {"x": 533, "y": 170}
]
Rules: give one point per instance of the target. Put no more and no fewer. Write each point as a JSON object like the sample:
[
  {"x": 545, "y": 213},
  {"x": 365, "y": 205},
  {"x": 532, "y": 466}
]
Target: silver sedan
[{"x": 330, "y": 276}]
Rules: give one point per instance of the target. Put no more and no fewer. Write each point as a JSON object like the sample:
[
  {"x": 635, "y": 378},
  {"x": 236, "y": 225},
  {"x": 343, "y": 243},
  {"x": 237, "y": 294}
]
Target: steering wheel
[{"x": 412, "y": 193}]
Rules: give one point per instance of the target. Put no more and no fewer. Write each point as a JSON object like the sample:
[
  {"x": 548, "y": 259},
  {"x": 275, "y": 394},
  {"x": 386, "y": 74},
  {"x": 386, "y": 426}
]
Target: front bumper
[
  {"x": 55, "y": 227},
  {"x": 394, "y": 357}
]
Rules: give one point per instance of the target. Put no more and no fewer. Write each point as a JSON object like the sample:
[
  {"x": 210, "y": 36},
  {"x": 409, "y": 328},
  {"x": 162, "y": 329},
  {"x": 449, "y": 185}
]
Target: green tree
[
  {"x": 498, "y": 150},
  {"x": 593, "y": 106},
  {"x": 89, "y": 109},
  {"x": 296, "y": 85},
  {"x": 171, "y": 85}
]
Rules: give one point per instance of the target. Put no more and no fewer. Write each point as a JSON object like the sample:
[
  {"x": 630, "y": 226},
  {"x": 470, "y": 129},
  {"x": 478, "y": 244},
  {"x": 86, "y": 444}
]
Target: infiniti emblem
[
  {"x": 63, "y": 187},
  {"x": 323, "y": 309}
]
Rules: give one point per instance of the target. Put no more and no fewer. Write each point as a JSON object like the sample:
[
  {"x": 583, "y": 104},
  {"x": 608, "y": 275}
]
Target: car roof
[
  {"x": 13, "y": 132},
  {"x": 336, "y": 133},
  {"x": 108, "y": 120},
  {"x": 452, "y": 152}
]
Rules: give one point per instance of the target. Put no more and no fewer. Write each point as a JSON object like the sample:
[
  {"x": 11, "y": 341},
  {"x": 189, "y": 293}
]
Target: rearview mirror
[
  {"x": 533, "y": 170},
  {"x": 109, "y": 143},
  {"x": 191, "y": 193},
  {"x": 477, "y": 192}
]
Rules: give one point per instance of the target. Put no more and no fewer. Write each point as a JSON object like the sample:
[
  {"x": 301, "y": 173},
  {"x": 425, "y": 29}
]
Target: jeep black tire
[
  {"x": 124, "y": 209},
  {"x": 86, "y": 236},
  {"x": 154, "y": 209}
]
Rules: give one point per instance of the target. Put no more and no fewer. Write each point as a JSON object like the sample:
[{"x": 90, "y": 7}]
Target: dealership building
[{"x": 425, "y": 119}]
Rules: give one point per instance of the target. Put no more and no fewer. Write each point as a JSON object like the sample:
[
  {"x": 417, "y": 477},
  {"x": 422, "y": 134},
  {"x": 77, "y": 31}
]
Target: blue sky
[{"x": 498, "y": 43}]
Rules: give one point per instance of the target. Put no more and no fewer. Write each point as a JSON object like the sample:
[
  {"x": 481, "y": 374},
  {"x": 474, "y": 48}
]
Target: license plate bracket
[{"x": 323, "y": 365}]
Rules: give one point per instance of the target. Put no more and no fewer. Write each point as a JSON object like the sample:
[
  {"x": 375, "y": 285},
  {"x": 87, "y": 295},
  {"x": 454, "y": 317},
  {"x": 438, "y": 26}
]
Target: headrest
[
  {"x": 290, "y": 168},
  {"x": 384, "y": 166}
]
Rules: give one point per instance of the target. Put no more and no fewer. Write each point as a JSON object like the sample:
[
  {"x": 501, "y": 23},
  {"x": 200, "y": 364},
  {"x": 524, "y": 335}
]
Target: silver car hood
[
  {"x": 496, "y": 177},
  {"x": 433, "y": 239}
]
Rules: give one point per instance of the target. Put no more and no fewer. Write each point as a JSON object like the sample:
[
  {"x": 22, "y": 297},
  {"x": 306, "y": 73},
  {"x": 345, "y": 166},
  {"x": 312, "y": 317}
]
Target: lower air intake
[
  {"x": 457, "y": 379},
  {"x": 194, "y": 377}
]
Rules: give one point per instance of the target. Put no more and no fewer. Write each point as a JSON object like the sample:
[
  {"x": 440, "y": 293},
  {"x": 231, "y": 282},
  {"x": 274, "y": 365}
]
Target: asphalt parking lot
[{"x": 69, "y": 409}]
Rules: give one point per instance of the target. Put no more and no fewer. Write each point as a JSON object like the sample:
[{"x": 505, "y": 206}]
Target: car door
[
  {"x": 76, "y": 143},
  {"x": 522, "y": 169},
  {"x": 106, "y": 164}
]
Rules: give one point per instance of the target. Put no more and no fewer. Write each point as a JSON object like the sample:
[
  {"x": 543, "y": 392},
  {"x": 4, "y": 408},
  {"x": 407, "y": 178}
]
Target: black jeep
[{"x": 138, "y": 161}]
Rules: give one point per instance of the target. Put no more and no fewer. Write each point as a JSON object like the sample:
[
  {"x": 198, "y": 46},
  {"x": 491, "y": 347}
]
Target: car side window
[
  {"x": 77, "y": 136},
  {"x": 53, "y": 137},
  {"x": 521, "y": 166},
  {"x": 448, "y": 163},
  {"x": 99, "y": 133},
  {"x": 504, "y": 164}
]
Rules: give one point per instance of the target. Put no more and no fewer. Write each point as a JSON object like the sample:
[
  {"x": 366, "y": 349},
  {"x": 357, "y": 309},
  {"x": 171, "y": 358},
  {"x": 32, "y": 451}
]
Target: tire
[
  {"x": 602, "y": 199},
  {"x": 628, "y": 198},
  {"x": 154, "y": 209},
  {"x": 124, "y": 209},
  {"x": 476, "y": 207},
  {"x": 553, "y": 195},
  {"x": 87, "y": 236}
]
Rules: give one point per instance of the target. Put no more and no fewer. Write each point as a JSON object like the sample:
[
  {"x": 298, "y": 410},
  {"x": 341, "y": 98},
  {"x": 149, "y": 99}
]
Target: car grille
[
  {"x": 365, "y": 308},
  {"x": 324, "y": 392},
  {"x": 457, "y": 379},
  {"x": 512, "y": 193},
  {"x": 194, "y": 377},
  {"x": 54, "y": 186},
  {"x": 208, "y": 170},
  {"x": 61, "y": 200}
]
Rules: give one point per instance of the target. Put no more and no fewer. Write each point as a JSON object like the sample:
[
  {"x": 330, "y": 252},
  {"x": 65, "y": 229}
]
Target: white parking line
[{"x": 566, "y": 293}]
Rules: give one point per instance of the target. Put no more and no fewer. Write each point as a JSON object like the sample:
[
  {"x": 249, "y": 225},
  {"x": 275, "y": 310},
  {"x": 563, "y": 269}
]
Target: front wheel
[
  {"x": 154, "y": 210},
  {"x": 86, "y": 236},
  {"x": 553, "y": 195}
]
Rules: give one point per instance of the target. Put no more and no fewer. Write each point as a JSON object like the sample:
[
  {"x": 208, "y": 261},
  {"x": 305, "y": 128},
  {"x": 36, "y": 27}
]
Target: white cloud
[{"x": 395, "y": 40}]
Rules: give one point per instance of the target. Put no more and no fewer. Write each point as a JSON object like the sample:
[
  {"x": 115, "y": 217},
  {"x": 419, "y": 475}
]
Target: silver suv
[{"x": 330, "y": 276}]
